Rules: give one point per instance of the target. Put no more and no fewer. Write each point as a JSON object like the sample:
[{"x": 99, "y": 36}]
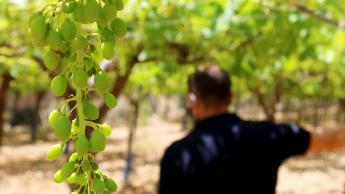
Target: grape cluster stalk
[{"x": 75, "y": 35}]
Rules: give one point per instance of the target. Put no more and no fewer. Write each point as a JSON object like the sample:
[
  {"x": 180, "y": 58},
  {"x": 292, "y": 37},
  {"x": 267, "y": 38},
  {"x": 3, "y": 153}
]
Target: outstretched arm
[{"x": 327, "y": 139}]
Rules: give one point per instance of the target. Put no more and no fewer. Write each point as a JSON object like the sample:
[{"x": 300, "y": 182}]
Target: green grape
[
  {"x": 79, "y": 13},
  {"x": 35, "y": 15},
  {"x": 79, "y": 43},
  {"x": 82, "y": 179},
  {"x": 98, "y": 185},
  {"x": 109, "y": 100},
  {"x": 119, "y": 27},
  {"x": 91, "y": 111},
  {"x": 82, "y": 145},
  {"x": 106, "y": 192},
  {"x": 79, "y": 78},
  {"x": 68, "y": 30},
  {"x": 75, "y": 192},
  {"x": 108, "y": 50},
  {"x": 107, "y": 35},
  {"x": 109, "y": 12},
  {"x": 72, "y": 178},
  {"x": 73, "y": 157},
  {"x": 101, "y": 21},
  {"x": 110, "y": 184},
  {"x": 88, "y": 63},
  {"x": 118, "y": 4},
  {"x": 67, "y": 169},
  {"x": 39, "y": 28},
  {"x": 62, "y": 128},
  {"x": 57, "y": 177},
  {"x": 55, "y": 151},
  {"x": 69, "y": 7},
  {"x": 53, "y": 116},
  {"x": 58, "y": 85},
  {"x": 55, "y": 40},
  {"x": 50, "y": 60},
  {"x": 86, "y": 165},
  {"x": 97, "y": 141},
  {"x": 106, "y": 129},
  {"x": 102, "y": 81},
  {"x": 91, "y": 11}
]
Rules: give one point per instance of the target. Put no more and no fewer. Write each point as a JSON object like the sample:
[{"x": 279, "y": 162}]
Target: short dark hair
[{"x": 211, "y": 84}]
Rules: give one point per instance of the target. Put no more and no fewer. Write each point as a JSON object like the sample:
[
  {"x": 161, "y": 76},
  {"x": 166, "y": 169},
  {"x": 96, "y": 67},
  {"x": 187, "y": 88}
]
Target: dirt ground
[{"x": 24, "y": 168}]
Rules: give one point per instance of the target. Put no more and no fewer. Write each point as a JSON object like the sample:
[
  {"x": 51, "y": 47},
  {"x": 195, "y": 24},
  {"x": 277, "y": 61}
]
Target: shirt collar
[{"x": 216, "y": 120}]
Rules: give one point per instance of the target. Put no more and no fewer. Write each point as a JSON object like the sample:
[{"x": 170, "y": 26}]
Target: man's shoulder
[{"x": 183, "y": 144}]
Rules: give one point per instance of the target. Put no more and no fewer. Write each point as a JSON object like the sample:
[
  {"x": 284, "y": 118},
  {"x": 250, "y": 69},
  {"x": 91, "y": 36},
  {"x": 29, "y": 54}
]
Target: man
[{"x": 225, "y": 154}]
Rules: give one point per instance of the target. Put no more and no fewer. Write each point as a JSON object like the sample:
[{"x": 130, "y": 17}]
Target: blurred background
[{"x": 286, "y": 59}]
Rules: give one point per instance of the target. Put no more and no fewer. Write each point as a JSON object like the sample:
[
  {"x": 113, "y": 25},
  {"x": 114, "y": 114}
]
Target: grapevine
[{"x": 75, "y": 34}]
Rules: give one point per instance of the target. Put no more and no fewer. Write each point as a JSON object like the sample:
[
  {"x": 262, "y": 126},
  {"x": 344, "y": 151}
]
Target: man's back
[{"x": 224, "y": 154}]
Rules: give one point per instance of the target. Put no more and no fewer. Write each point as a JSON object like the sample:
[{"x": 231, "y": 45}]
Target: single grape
[
  {"x": 35, "y": 15},
  {"x": 98, "y": 185},
  {"x": 68, "y": 30},
  {"x": 119, "y": 27},
  {"x": 67, "y": 169},
  {"x": 79, "y": 78},
  {"x": 50, "y": 60},
  {"x": 62, "y": 128},
  {"x": 97, "y": 141},
  {"x": 55, "y": 151},
  {"x": 79, "y": 43},
  {"x": 72, "y": 178},
  {"x": 53, "y": 116},
  {"x": 82, "y": 179},
  {"x": 79, "y": 13},
  {"x": 91, "y": 111},
  {"x": 82, "y": 145},
  {"x": 58, "y": 85},
  {"x": 102, "y": 81},
  {"x": 108, "y": 50},
  {"x": 55, "y": 40},
  {"x": 110, "y": 184},
  {"x": 91, "y": 11},
  {"x": 105, "y": 129},
  {"x": 39, "y": 28},
  {"x": 109, "y": 100},
  {"x": 107, "y": 35},
  {"x": 118, "y": 4},
  {"x": 57, "y": 177},
  {"x": 73, "y": 157},
  {"x": 109, "y": 12},
  {"x": 69, "y": 7},
  {"x": 106, "y": 192}
]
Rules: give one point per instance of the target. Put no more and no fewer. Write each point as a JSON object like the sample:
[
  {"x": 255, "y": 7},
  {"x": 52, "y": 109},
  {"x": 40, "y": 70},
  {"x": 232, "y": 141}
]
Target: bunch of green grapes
[{"x": 76, "y": 34}]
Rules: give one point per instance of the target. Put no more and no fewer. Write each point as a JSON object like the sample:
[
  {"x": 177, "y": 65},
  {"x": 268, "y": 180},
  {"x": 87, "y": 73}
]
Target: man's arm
[{"x": 327, "y": 139}]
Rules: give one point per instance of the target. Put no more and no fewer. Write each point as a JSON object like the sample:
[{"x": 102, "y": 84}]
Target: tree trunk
[
  {"x": 36, "y": 112},
  {"x": 6, "y": 78},
  {"x": 132, "y": 128}
]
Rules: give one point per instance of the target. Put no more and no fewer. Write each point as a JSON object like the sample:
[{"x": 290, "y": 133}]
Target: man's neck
[{"x": 212, "y": 112}]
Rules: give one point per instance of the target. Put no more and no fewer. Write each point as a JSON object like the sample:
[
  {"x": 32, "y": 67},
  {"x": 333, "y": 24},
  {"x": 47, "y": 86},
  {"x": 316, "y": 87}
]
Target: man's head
[{"x": 209, "y": 91}]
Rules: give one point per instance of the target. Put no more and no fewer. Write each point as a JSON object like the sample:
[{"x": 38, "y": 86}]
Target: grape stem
[
  {"x": 91, "y": 124},
  {"x": 80, "y": 109}
]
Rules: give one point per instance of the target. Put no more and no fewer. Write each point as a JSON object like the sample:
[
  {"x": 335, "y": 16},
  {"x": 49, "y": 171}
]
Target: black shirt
[{"x": 226, "y": 155}]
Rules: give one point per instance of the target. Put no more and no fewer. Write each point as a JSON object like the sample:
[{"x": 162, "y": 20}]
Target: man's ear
[{"x": 192, "y": 98}]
